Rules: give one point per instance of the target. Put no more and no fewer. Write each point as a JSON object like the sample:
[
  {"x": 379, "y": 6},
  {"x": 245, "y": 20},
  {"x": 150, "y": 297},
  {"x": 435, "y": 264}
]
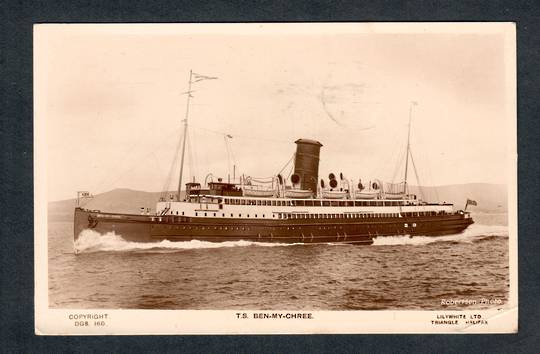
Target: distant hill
[
  {"x": 490, "y": 198},
  {"x": 118, "y": 200}
]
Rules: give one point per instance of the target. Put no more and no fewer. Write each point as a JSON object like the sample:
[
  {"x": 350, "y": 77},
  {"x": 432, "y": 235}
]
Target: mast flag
[{"x": 199, "y": 77}]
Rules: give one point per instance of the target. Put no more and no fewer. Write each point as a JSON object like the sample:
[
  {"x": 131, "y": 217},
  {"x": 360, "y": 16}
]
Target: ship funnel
[{"x": 306, "y": 163}]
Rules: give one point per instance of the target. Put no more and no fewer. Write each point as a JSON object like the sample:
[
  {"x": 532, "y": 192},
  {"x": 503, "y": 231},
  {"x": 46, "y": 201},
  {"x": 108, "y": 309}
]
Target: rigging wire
[
  {"x": 270, "y": 179},
  {"x": 287, "y": 164},
  {"x": 167, "y": 184},
  {"x": 420, "y": 188},
  {"x": 427, "y": 171},
  {"x": 290, "y": 172},
  {"x": 121, "y": 162},
  {"x": 231, "y": 150},
  {"x": 228, "y": 155},
  {"x": 398, "y": 165},
  {"x": 193, "y": 165},
  {"x": 228, "y": 150},
  {"x": 241, "y": 136},
  {"x": 113, "y": 178},
  {"x": 394, "y": 155}
]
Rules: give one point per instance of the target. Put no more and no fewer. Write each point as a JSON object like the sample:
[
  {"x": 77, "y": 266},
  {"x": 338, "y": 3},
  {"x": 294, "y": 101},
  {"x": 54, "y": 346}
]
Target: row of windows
[
  {"x": 247, "y": 228},
  {"x": 232, "y": 228},
  {"x": 424, "y": 213},
  {"x": 325, "y": 216},
  {"x": 315, "y": 202},
  {"x": 217, "y": 215},
  {"x": 357, "y": 215},
  {"x": 198, "y": 199},
  {"x": 338, "y": 216}
]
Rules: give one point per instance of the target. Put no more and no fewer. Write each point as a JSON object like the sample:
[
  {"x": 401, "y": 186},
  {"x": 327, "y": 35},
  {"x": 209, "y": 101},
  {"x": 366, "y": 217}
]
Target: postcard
[{"x": 275, "y": 178}]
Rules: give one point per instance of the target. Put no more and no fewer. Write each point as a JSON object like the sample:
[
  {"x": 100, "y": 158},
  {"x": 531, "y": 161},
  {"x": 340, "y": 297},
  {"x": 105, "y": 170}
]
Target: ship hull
[{"x": 145, "y": 228}]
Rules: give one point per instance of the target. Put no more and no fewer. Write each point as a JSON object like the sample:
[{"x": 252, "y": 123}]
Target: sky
[{"x": 110, "y": 100}]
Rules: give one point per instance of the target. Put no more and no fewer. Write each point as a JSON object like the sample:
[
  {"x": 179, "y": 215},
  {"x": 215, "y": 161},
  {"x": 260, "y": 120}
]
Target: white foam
[
  {"x": 472, "y": 233},
  {"x": 92, "y": 241}
]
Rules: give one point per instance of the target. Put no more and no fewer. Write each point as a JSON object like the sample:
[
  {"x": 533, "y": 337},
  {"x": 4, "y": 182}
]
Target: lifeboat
[
  {"x": 334, "y": 194},
  {"x": 298, "y": 193},
  {"x": 256, "y": 191},
  {"x": 366, "y": 194},
  {"x": 394, "y": 196}
]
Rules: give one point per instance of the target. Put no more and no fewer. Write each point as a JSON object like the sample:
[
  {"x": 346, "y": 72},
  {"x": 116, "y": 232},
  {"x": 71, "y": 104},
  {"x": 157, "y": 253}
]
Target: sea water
[{"x": 105, "y": 271}]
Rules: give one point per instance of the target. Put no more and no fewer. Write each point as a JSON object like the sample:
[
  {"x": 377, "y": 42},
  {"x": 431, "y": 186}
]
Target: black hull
[{"x": 142, "y": 228}]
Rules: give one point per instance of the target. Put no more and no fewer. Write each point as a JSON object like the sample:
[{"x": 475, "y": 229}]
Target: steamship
[{"x": 300, "y": 208}]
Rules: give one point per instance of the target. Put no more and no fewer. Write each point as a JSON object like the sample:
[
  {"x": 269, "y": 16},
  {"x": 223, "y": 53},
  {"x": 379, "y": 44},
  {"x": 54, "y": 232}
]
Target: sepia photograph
[{"x": 275, "y": 178}]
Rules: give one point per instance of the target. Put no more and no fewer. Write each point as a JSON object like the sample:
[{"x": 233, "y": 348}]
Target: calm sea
[{"x": 394, "y": 273}]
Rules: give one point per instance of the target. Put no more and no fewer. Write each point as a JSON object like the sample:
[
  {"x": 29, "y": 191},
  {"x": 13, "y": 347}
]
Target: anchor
[{"x": 92, "y": 222}]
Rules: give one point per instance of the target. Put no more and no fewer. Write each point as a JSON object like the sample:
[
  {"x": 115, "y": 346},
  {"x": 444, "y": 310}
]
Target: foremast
[
  {"x": 193, "y": 78},
  {"x": 178, "y": 197}
]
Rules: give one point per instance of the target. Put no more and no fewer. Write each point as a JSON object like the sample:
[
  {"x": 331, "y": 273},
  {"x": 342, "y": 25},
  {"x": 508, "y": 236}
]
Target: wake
[
  {"x": 92, "y": 241},
  {"x": 473, "y": 233}
]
